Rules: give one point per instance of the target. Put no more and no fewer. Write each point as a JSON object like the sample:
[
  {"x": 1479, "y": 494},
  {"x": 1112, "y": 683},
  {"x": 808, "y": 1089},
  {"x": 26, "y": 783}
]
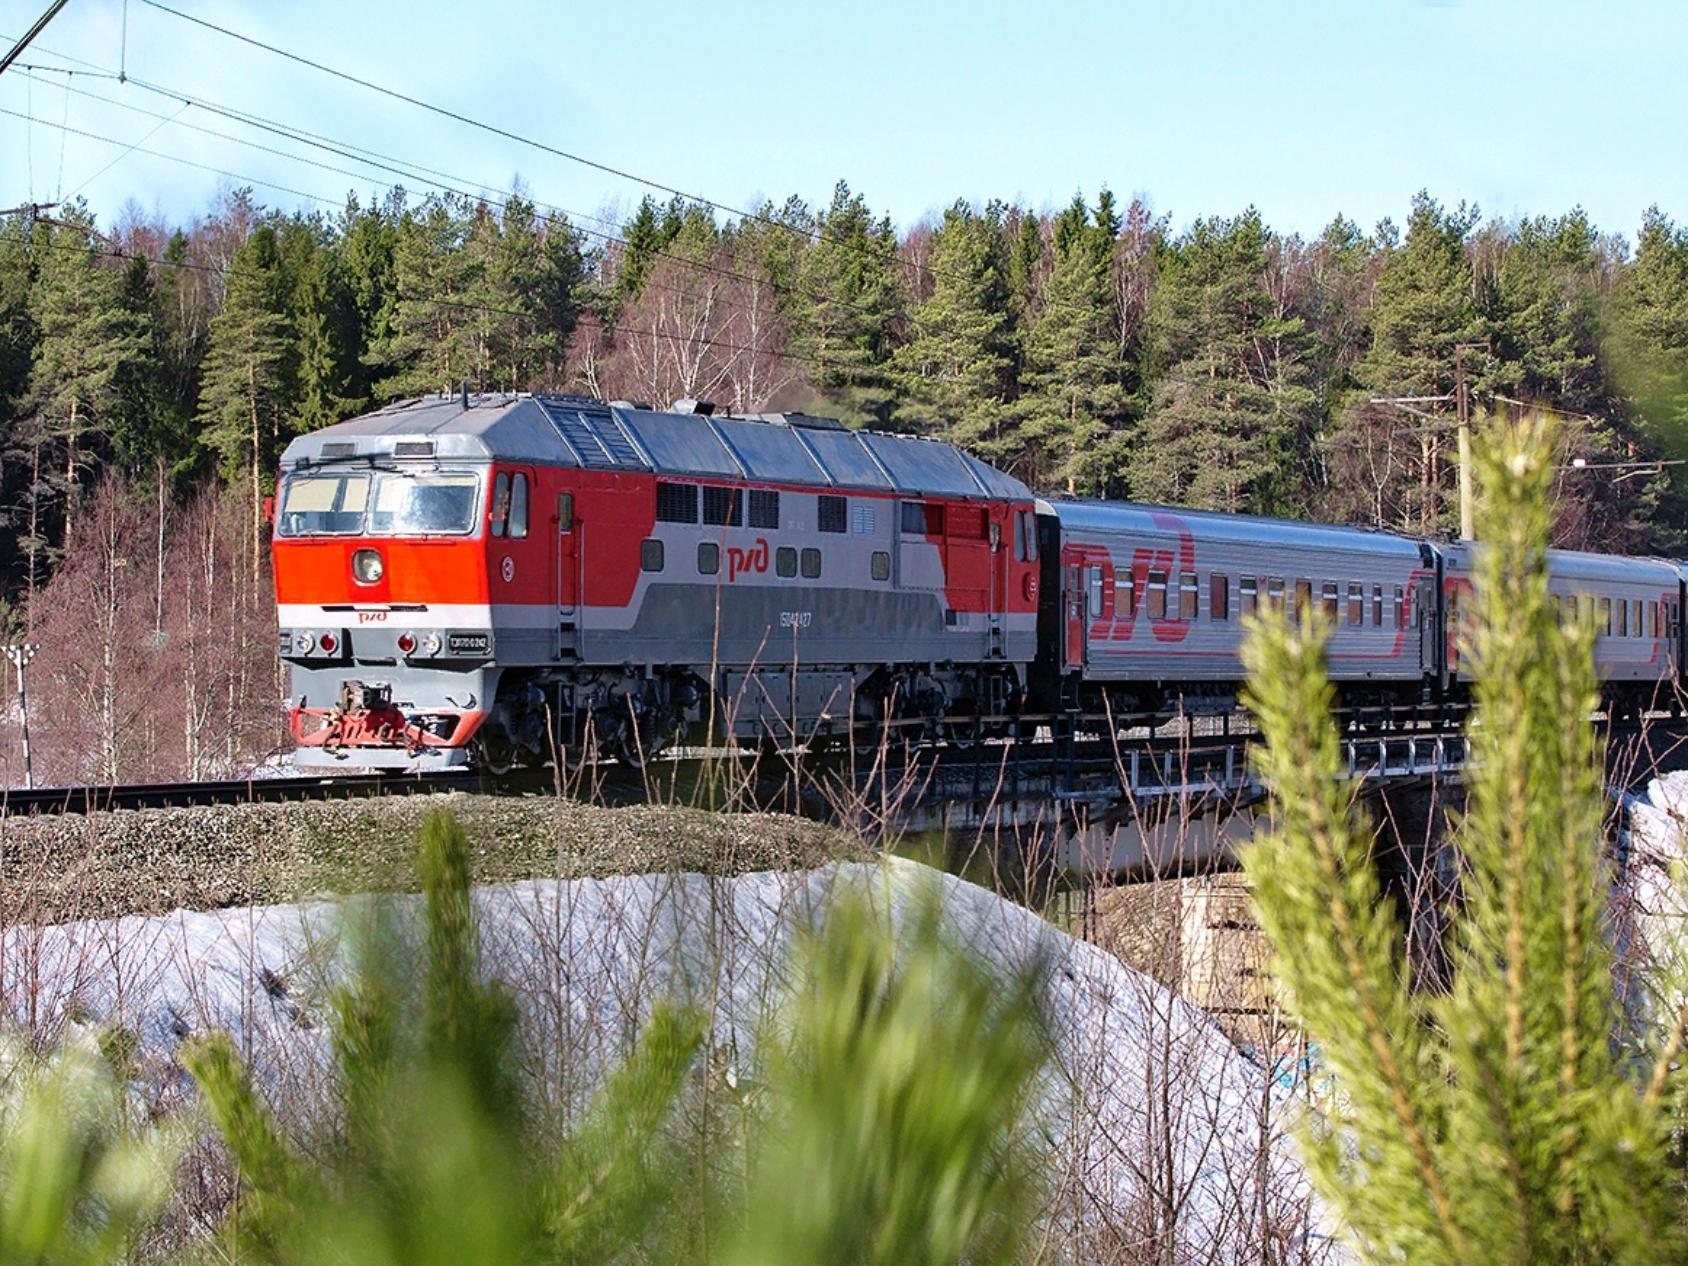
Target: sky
[{"x": 1303, "y": 110}]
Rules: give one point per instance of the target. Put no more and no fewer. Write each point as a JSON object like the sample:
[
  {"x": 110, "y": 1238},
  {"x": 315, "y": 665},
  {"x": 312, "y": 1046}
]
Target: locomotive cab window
[
  {"x": 323, "y": 505},
  {"x": 785, "y": 561},
  {"x": 519, "y": 506},
  {"x": 881, "y": 565},
  {"x": 650, "y": 554},
  {"x": 565, "y": 512},
  {"x": 708, "y": 558},
  {"x": 810, "y": 561},
  {"x": 1025, "y": 536},
  {"x": 500, "y": 504},
  {"x": 1157, "y": 595}
]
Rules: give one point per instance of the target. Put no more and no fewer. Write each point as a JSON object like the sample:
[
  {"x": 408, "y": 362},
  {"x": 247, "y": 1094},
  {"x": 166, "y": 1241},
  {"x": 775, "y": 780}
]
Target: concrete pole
[
  {"x": 1467, "y": 516},
  {"x": 20, "y": 654}
]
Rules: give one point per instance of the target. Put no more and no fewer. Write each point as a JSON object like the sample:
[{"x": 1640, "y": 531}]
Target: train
[{"x": 504, "y": 580}]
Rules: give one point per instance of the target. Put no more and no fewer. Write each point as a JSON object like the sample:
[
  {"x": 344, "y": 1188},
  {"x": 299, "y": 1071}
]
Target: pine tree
[
  {"x": 1227, "y": 376},
  {"x": 430, "y": 343},
  {"x": 1075, "y": 394},
  {"x": 247, "y": 392},
  {"x": 90, "y": 362},
  {"x": 1500, "y": 1121},
  {"x": 955, "y": 372},
  {"x": 846, "y": 301},
  {"x": 1649, "y": 332}
]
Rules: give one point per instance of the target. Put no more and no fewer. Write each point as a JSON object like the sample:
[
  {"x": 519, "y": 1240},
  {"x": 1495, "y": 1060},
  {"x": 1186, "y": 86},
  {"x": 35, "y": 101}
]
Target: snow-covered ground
[
  {"x": 1653, "y": 852},
  {"x": 1165, "y": 1113}
]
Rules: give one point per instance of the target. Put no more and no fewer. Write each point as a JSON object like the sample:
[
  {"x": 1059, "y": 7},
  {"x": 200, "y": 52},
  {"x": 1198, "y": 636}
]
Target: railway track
[{"x": 1086, "y": 757}]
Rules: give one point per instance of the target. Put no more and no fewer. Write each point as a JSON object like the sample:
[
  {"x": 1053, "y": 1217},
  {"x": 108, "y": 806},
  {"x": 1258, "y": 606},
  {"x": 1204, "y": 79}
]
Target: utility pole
[
  {"x": 20, "y": 653},
  {"x": 29, "y": 35},
  {"x": 1462, "y": 406}
]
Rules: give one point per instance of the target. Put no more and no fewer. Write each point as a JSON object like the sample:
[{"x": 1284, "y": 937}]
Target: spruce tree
[
  {"x": 90, "y": 358},
  {"x": 1227, "y": 374},
  {"x": 246, "y": 393},
  {"x": 954, "y": 374},
  {"x": 1501, "y": 1121},
  {"x": 1075, "y": 396},
  {"x": 846, "y": 301}
]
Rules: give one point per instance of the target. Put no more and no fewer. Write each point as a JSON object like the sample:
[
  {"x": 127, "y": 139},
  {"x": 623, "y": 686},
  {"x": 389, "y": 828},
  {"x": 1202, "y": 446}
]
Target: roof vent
[
  {"x": 688, "y": 405},
  {"x": 339, "y": 449},
  {"x": 413, "y": 448},
  {"x": 801, "y": 419}
]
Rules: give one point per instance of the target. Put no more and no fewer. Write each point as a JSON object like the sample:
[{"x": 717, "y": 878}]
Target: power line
[
  {"x": 814, "y": 235},
  {"x": 16, "y": 50},
  {"x": 396, "y": 167}
]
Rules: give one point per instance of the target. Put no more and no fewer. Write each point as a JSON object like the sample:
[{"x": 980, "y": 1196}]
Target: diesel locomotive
[{"x": 497, "y": 580}]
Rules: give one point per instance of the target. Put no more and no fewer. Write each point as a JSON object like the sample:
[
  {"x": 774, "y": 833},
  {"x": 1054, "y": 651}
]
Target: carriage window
[
  {"x": 1125, "y": 595},
  {"x": 1356, "y": 605},
  {"x": 708, "y": 558},
  {"x": 1623, "y": 618},
  {"x": 723, "y": 507},
  {"x": 1327, "y": 601},
  {"x": 881, "y": 565},
  {"x": 1635, "y": 616},
  {"x": 1187, "y": 594},
  {"x": 1653, "y": 618},
  {"x": 1377, "y": 606},
  {"x": 650, "y": 554},
  {"x": 1556, "y": 608},
  {"x": 676, "y": 503},
  {"x": 500, "y": 503},
  {"x": 785, "y": 561},
  {"x": 1157, "y": 595},
  {"x": 1603, "y": 621},
  {"x": 519, "y": 507},
  {"x": 1218, "y": 597},
  {"x": 565, "y": 512},
  {"x": 1303, "y": 595},
  {"x": 1248, "y": 594},
  {"x": 1275, "y": 592},
  {"x": 764, "y": 509},
  {"x": 811, "y": 564},
  {"x": 831, "y": 513},
  {"x": 1400, "y": 607}
]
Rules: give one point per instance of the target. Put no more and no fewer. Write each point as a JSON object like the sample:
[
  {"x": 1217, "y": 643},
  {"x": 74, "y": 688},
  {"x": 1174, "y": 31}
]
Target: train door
[
  {"x": 996, "y": 599},
  {"x": 1074, "y": 601},
  {"x": 570, "y": 574}
]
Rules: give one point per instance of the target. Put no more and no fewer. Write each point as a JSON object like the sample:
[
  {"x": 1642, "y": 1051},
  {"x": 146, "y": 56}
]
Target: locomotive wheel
[{"x": 494, "y": 751}]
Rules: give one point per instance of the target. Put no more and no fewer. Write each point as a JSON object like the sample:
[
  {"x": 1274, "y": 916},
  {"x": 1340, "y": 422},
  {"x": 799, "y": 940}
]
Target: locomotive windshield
[{"x": 386, "y": 503}]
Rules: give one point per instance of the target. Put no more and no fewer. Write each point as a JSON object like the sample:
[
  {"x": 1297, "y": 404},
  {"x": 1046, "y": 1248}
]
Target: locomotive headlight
[
  {"x": 431, "y": 644},
  {"x": 303, "y": 643},
  {"x": 367, "y": 566}
]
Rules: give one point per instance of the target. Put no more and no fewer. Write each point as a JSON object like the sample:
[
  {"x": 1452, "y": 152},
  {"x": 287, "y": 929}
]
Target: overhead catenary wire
[
  {"x": 761, "y": 217},
  {"x": 410, "y": 171}
]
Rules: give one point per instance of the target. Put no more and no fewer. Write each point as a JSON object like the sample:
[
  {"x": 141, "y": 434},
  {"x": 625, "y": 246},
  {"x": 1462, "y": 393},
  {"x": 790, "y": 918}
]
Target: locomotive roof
[
  {"x": 576, "y": 431},
  {"x": 1126, "y": 516}
]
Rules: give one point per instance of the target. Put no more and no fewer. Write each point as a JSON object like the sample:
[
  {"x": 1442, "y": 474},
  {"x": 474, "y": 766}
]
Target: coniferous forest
[{"x": 1097, "y": 349}]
